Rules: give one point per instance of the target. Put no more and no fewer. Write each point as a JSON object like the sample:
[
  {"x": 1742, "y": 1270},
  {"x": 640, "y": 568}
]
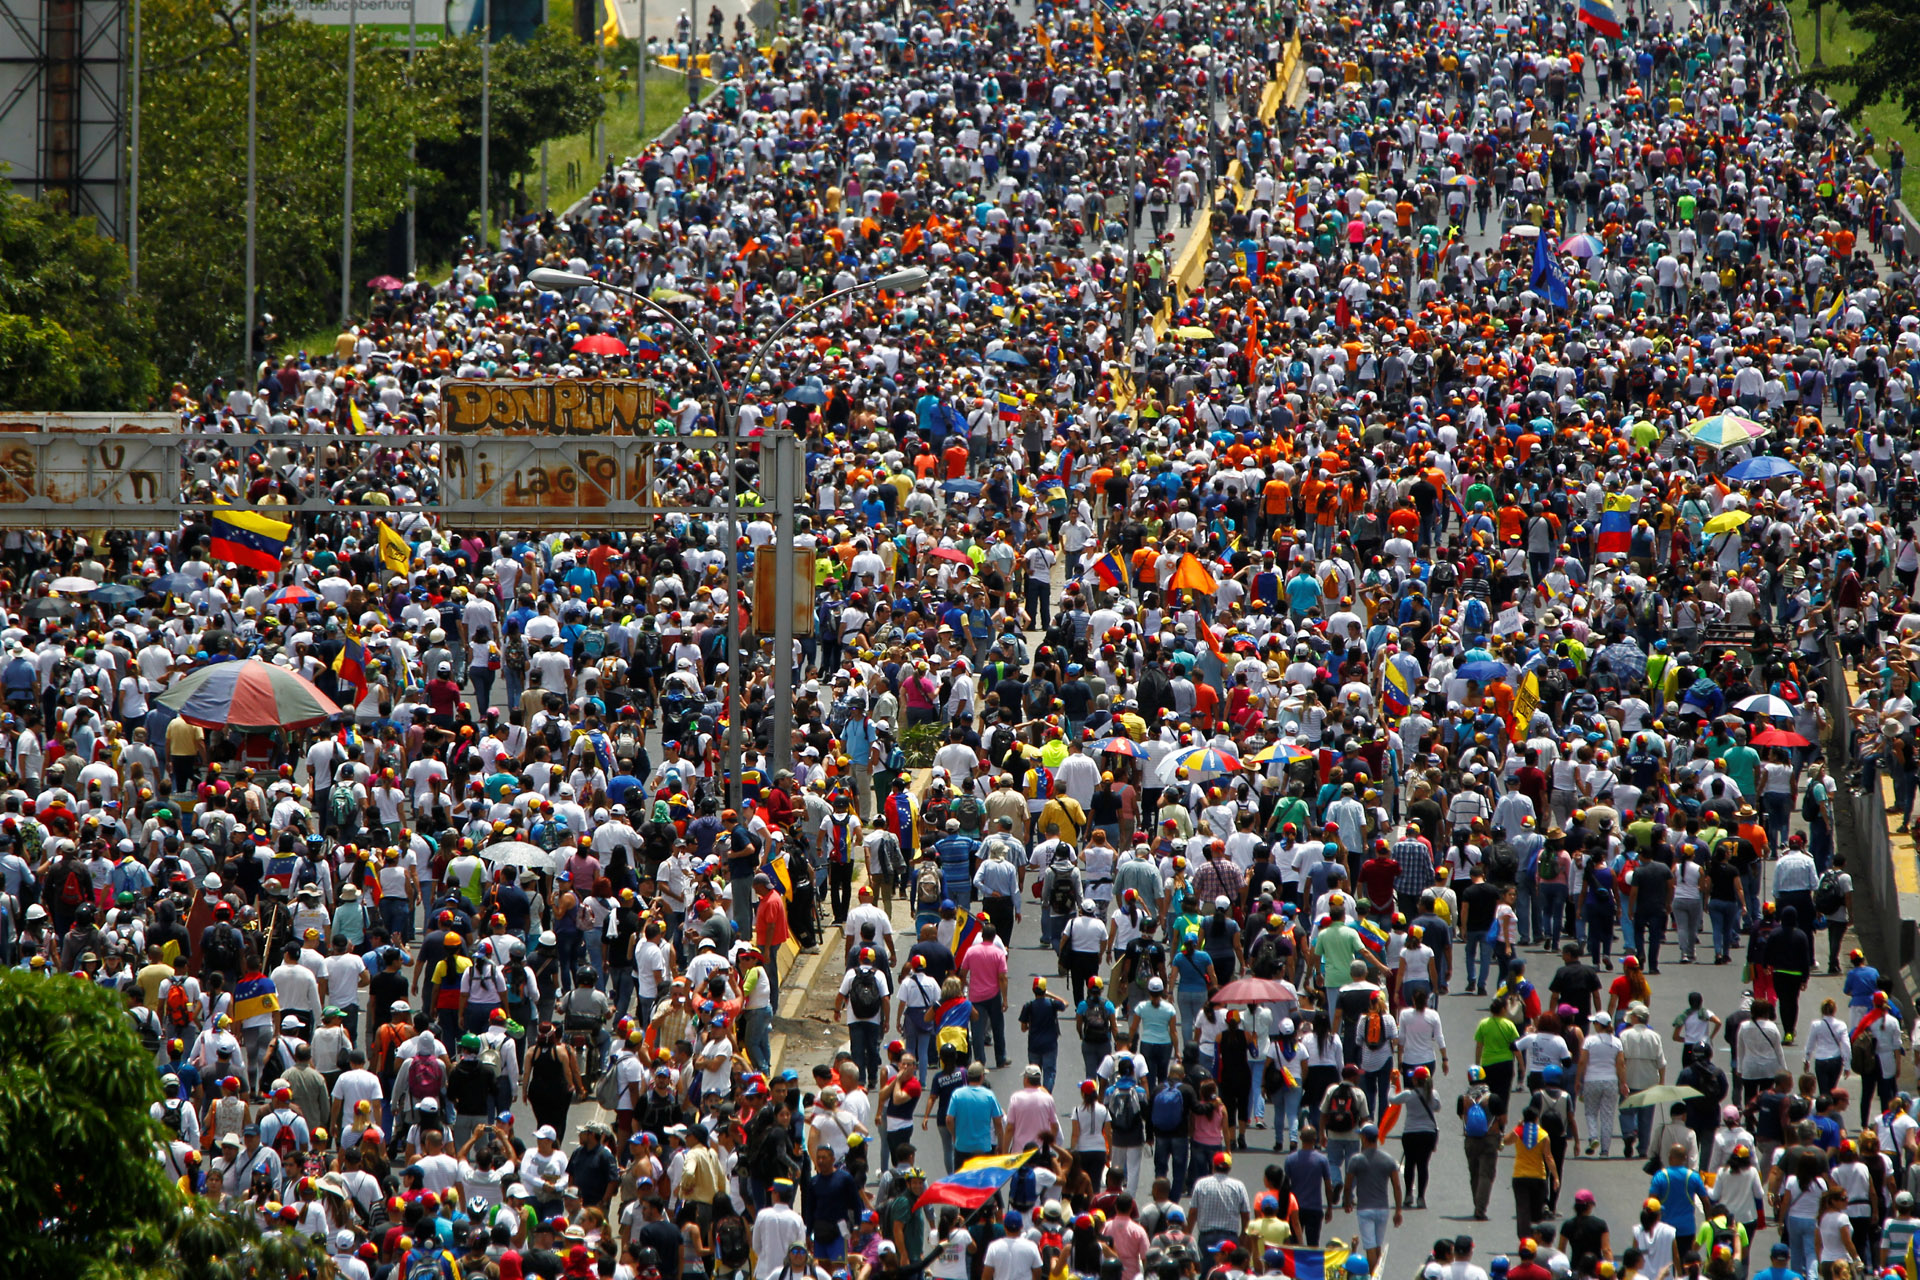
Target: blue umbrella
[
  {"x": 1764, "y": 467},
  {"x": 806, "y": 395},
  {"x": 114, "y": 595},
  {"x": 961, "y": 355},
  {"x": 966, "y": 488},
  {"x": 1482, "y": 671},
  {"x": 1007, "y": 355}
]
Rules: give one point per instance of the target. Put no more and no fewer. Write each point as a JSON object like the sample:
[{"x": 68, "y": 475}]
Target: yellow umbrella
[
  {"x": 1728, "y": 520},
  {"x": 1193, "y": 331}
]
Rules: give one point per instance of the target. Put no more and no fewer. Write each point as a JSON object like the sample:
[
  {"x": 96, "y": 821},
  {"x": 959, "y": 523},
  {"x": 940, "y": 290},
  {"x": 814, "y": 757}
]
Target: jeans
[
  {"x": 1190, "y": 1002},
  {"x": 1803, "y": 1235},
  {"x": 397, "y": 915},
  {"x": 989, "y": 1021},
  {"x": 1636, "y": 1128},
  {"x": 1339, "y": 1151},
  {"x": 1652, "y": 931},
  {"x": 1600, "y": 932},
  {"x": 1686, "y": 923},
  {"x": 1170, "y": 1151},
  {"x": 1199, "y": 1162},
  {"x": 1127, "y": 1160},
  {"x": 1725, "y": 915},
  {"x": 756, "y": 1026},
  {"x": 1479, "y": 955},
  {"x": 1523, "y": 907},
  {"x": 1286, "y": 1117},
  {"x": 1750, "y": 896},
  {"x": 1159, "y": 1057},
  {"x": 594, "y": 940},
  {"x": 1553, "y": 912},
  {"x": 1047, "y": 1060},
  {"x": 865, "y": 1037}
]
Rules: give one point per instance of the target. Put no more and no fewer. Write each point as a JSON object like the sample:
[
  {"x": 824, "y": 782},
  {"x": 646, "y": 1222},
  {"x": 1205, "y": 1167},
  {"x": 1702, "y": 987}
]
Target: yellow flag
[
  {"x": 395, "y": 552},
  {"x": 359, "y": 418},
  {"x": 1525, "y": 699}
]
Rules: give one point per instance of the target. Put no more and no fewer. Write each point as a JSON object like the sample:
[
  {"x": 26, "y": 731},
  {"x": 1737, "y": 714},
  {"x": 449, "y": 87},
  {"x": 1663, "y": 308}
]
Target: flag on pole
[
  {"x": 1547, "y": 273},
  {"x": 350, "y": 665},
  {"x": 395, "y": 552},
  {"x": 1191, "y": 575},
  {"x": 968, "y": 1189},
  {"x": 1599, "y": 15},
  {"x": 1833, "y": 313},
  {"x": 1111, "y": 570},
  {"x": 249, "y": 539},
  {"x": 644, "y": 348},
  {"x": 1526, "y": 699},
  {"x": 1616, "y": 526},
  {"x": 1009, "y": 406}
]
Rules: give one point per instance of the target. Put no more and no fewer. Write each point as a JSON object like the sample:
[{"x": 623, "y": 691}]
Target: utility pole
[
  {"x": 786, "y": 494},
  {"x": 133, "y": 167},
  {"x": 412, "y": 143},
  {"x": 486, "y": 120},
  {"x": 346, "y": 217},
  {"x": 253, "y": 174},
  {"x": 640, "y": 64}
]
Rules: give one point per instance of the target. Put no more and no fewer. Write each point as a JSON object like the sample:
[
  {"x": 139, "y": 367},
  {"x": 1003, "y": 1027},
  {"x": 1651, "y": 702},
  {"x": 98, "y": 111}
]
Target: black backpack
[
  {"x": 223, "y": 948},
  {"x": 1827, "y": 896},
  {"x": 1265, "y": 961},
  {"x": 864, "y": 997},
  {"x": 1503, "y": 864},
  {"x": 730, "y": 1242},
  {"x": 1096, "y": 1023},
  {"x": 1061, "y": 900}
]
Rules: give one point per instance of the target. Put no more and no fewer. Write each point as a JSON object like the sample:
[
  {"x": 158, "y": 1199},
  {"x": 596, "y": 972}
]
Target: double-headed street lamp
[{"x": 905, "y": 280}]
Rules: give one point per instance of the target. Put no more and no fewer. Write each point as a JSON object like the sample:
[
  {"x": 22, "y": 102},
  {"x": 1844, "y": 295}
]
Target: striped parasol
[{"x": 248, "y": 695}]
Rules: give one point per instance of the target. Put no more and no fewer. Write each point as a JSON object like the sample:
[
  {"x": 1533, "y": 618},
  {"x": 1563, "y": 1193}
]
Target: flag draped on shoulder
[
  {"x": 253, "y": 996},
  {"x": 1616, "y": 526},
  {"x": 350, "y": 666}
]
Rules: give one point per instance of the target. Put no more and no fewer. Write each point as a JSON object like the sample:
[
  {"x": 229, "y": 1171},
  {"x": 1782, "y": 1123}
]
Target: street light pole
[
  {"x": 346, "y": 218},
  {"x": 907, "y": 280}
]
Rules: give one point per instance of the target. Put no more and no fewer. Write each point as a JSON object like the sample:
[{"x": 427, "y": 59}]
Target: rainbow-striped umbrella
[
  {"x": 252, "y": 695},
  {"x": 1725, "y": 430},
  {"x": 1288, "y": 751},
  {"x": 1200, "y": 760}
]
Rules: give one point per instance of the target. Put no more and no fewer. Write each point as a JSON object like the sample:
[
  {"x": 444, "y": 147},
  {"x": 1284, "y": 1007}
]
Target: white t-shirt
[
  {"x": 1012, "y": 1258},
  {"x": 880, "y": 980},
  {"x": 952, "y": 1262}
]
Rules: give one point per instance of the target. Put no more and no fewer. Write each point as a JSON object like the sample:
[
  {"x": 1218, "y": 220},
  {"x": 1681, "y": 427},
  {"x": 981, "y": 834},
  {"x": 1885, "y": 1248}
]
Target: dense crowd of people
[{"x": 1453, "y": 555}]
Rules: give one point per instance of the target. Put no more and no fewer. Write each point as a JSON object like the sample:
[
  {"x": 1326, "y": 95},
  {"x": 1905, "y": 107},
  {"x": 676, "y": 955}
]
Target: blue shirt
[
  {"x": 1675, "y": 1189},
  {"x": 973, "y": 1110},
  {"x": 1307, "y": 1173},
  {"x": 1860, "y": 984},
  {"x": 1192, "y": 967}
]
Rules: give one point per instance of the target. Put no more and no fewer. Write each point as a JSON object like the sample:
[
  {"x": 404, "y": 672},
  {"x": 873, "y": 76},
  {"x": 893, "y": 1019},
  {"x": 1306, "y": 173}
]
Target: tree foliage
[
  {"x": 70, "y": 338},
  {"x": 1889, "y": 69},
  {"x": 194, "y": 153},
  {"x": 542, "y": 90},
  {"x": 194, "y": 170},
  {"x": 83, "y": 1193},
  {"x": 75, "y": 1088}
]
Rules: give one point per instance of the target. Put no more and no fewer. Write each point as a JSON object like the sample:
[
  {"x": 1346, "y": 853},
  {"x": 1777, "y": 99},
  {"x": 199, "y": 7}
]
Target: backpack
[
  {"x": 148, "y": 1028},
  {"x": 552, "y": 736},
  {"x": 1810, "y": 809},
  {"x": 1169, "y": 1110},
  {"x": 1342, "y": 1108},
  {"x": 1503, "y": 864},
  {"x": 72, "y": 891},
  {"x": 1024, "y": 1190},
  {"x": 425, "y": 1077},
  {"x": 1098, "y": 1023},
  {"x": 730, "y": 1242},
  {"x": 864, "y": 997},
  {"x": 423, "y": 1266},
  {"x": 179, "y": 1007},
  {"x": 1265, "y": 961},
  {"x": 592, "y": 644},
  {"x": 1865, "y": 1054},
  {"x": 1061, "y": 901},
  {"x": 930, "y": 888},
  {"x": 490, "y": 1053},
  {"x": 1124, "y": 1106},
  {"x": 1376, "y": 1032},
  {"x": 607, "y": 1092},
  {"x": 343, "y": 807},
  {"x": 1476, "y": 1123},
  {"x": 1827, "y": 897},
  {"x": 172, "y": 1115},
  {"x": 285, "y": 1140},
  {"x": 223, "y": 949}
]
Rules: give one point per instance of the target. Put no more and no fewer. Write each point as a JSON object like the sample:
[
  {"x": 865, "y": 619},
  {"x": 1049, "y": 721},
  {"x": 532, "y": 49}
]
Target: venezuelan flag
[
  {"x": 1013, "y": 1160},
  {"x": 966, "y": 931},
  {"x": 1372, "y": 935},
  {"x": 776, "y": 870},
  {"x": 968, "y": 1189},
  {"x": 1313, "y": 1264},
  {"x": 1599, "y": 15},
  {"x": 644, "y": 348},
  {"x": 1616, "y": 526},
  {"x": 1832, "y": 315},
  {"x": 1396, "y": 694},
  {"x": 350, "y": 664},
  {"x": 250, "y": 540},
  {"x": 253, "y": 996},
  {"x": 1111, "y": 569},
  {"x": 1009, "y": 406}
]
